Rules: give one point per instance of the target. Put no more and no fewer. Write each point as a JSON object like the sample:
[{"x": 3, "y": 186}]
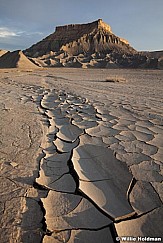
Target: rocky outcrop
[
  {"x": 90, "y": 45},
  {"x": 15, "y": 59}
]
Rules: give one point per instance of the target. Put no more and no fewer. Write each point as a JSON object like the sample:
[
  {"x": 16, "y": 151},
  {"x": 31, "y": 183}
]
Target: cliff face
[{"x": 85, "y": 45}]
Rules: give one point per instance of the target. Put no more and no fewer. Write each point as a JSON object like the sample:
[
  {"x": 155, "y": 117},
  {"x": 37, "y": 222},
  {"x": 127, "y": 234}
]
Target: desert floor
[{"x": 80, "y": 156}]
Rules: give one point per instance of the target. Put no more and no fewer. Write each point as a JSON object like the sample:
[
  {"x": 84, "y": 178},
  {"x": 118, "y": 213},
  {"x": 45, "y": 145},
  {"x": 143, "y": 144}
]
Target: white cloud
[
  {"x": 33, "y": 33},
  {"x": 6, "y": 32}
]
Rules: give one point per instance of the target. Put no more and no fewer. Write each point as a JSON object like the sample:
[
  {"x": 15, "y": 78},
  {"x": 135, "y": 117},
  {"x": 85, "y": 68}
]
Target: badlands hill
[
  {"x": 87, "y": 45},
  {"x": 154, "y": 54},
  {"x": 157, "y": 55},
  {"x": 15, "y": 59}
]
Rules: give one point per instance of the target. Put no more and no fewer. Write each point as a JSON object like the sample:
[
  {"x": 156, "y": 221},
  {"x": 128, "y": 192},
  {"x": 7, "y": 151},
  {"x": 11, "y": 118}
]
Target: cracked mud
[{"x": 78, "y": 163}]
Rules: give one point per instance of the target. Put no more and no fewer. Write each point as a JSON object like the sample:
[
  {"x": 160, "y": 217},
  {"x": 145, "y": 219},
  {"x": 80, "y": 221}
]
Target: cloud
[
  {"x": 12, "y": 38},
  {"x": 32, "y": 33},
  {"x": 6, "y": 32}
]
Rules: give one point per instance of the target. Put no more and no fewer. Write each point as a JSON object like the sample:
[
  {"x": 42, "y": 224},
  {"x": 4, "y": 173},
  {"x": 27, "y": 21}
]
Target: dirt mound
[
  {"x": 15, "y": 59},
  {"x": 2, "y": 52}
]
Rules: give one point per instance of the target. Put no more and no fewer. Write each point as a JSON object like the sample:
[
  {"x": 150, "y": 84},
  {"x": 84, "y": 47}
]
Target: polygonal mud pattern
[{"x": 80, "y": 150}]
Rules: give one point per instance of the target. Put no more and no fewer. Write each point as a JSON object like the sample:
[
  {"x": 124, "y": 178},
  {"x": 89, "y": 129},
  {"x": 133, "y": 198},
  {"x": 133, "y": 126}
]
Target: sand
[{"x": 81, "y": 157}]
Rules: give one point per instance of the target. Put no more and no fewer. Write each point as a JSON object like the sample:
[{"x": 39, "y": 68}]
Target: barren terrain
[{"x": 81, "y": 154}]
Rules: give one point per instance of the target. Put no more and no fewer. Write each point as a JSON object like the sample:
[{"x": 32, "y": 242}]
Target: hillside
[
  {"x": 15, "y": 59},
  {"x": 2, "y": 52},
  {"x": 153, "y": 54}
]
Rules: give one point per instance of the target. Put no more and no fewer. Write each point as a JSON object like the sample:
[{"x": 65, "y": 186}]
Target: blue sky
[{"x": 25, "y": 22}]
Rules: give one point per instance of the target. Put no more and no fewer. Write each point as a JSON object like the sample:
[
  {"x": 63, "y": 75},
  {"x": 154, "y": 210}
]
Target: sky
[{"x": 25, "y": 22}]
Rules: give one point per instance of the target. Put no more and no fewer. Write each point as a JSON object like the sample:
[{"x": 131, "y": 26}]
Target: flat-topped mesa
[
  {"x": 87, "y": 45},
  {"x": 98, "y": 24}
]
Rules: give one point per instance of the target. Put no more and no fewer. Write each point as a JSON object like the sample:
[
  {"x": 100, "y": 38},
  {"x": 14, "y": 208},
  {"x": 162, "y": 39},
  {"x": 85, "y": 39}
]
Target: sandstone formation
[
  {"x": 15, "y": 59},
  {"x": 87, "y": 45}
]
